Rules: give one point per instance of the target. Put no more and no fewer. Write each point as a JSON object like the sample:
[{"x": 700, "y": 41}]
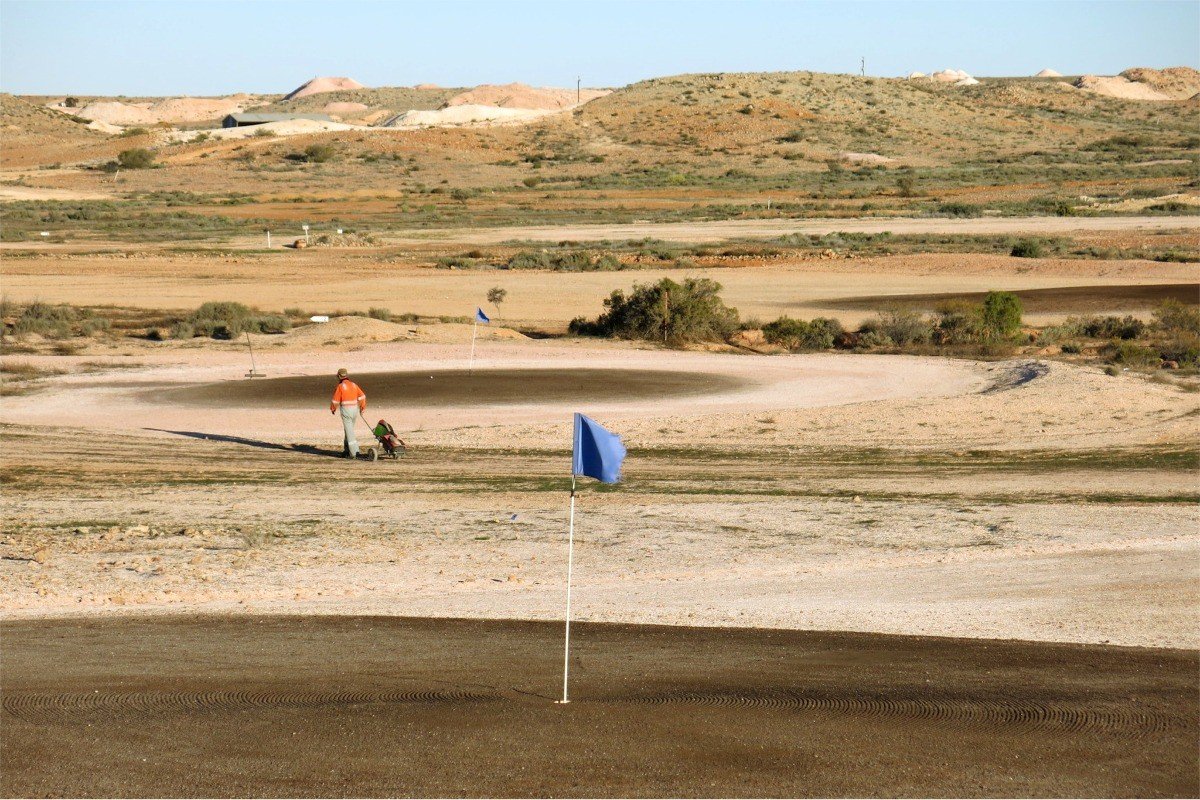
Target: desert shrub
[
  {"x": 133, "y": 132},
  {"x": 871, "y": 337},
  {"x": 271, "y": 323},
  {"x": 1027, "y": 248},
  {"x": 137, "y": 158},
  {"x": 462, "y": 195},
  {"x": 1001, "y": 314},
  {"x": 380, "y": 313},
  {"x": 47, "y": 320},
  {"x": 901, "y": 325},
  {"x": 1173, "y": 316},
  {"x": 566, "y": 261},
  {"x": 958, "y": 322},
  {"x": 1071, "y": 348},
  {"x": 797, "y": 335},
  {"x": 182, "y": 330},
  {"x": 959, "y": 210},
  {"x": 318, "y": 153},
  {"x": 669, "y": 312},
  {"x": 1110, "y": 327},
  {"x": 1132, "y": 354},
  {"x": 225, "y": 320},
  {"x": 94, "y": 325},
  {"x": 456, "y": 262},
  {"x": 906, "y": 185},
  {"x": 531, "y": 181},
  {"x": 1170, "y": 207}
]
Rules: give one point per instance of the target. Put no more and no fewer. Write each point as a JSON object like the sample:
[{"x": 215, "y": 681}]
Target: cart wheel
[{"x": 373, "y": 453}]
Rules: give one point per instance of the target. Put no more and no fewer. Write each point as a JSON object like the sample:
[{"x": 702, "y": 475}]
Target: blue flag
[
  {"x": 597, "y": 453},
  {"x": 481, "y": 317}
]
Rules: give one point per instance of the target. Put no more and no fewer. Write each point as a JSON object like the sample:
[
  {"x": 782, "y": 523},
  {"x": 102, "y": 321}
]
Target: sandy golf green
[
  {"x": 449, "y": 388},
  {"x": 373, "y": 706}
]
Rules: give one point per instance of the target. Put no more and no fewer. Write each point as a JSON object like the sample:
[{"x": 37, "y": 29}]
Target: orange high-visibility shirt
[{"x": 347, "y": 393}]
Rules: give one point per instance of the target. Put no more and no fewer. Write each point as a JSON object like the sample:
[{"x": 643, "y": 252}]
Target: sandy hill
[
  {"x": 519, "y": 95},
  {"x": 1048, "y": 73},
  {"x": 1177, "y": 83},
  {"x": 322, "y": 86},
  {"x": 1120, "y": 87},
  {"x": 36, "y": 135}
]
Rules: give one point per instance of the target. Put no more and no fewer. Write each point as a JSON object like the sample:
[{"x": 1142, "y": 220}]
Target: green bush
[
  {"x": 871, "y": 338},
  {"x": 797, "y": 335},
  {"x": 380, "y": 313},
  {"x": 1027, "y": 248},
  {"x": 133, "y": 132},
  {"x": 668, "y": 312},
  {"x": 137, "y": 158},
  {"x": 1001, "y": 314}
]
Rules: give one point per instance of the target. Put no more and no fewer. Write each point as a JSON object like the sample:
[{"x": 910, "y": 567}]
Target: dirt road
[
  {"x": 362, "y": 706},
  {"x": 722, "y": 230}
]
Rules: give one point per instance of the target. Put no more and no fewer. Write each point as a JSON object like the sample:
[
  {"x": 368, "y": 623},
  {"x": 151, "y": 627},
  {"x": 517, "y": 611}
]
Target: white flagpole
[
  {"x": 570, "y": 564},
  {"x": 474, "y": 329}
]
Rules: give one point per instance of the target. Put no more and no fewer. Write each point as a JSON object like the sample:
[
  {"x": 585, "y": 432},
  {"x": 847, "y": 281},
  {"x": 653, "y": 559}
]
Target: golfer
[{"x": 351, "y": 401}]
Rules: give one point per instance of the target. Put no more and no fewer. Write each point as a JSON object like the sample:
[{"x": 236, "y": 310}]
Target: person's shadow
[{"x": 306, "y": 449}]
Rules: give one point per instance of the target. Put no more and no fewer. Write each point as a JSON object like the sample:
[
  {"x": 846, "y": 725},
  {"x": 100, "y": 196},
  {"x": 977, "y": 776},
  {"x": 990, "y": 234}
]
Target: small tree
[
  {"x": 71, "y": 102},
  {"x": 496, "y": 296},
  {"x": 1001, "y": 314},
  {"x": 906, "y": 185},
  {"x": 137, "y": 158}
]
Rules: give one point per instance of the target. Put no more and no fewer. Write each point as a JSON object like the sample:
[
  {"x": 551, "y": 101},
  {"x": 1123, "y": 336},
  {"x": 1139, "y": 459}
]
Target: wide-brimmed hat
[{"x": 342, "y": 373}]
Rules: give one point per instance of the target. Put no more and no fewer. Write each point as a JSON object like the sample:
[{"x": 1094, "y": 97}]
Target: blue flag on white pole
[
  {"x": 481, "y": 317},
  {"x": 597, "y": 453}
]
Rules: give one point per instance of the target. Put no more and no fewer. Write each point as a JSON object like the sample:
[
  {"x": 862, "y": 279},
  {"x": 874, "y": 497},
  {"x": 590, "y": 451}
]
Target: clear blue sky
[{"x": 217, "y": 47}]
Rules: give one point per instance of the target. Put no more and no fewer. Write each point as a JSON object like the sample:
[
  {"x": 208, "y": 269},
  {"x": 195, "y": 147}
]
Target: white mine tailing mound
[
  {"x": 171, "y": 109},
  {"x": 291, "y": 127},
  {"x": 950, "y": 76},
  {"x": 1119, "y": 87},
  {"x": 465, "y": 115},
  {"x": 912, "y": 76},
  {"x": 1048, "y": 73},
  {"x": 320, "y": 85},
  {"x": 519, "y": 95}
]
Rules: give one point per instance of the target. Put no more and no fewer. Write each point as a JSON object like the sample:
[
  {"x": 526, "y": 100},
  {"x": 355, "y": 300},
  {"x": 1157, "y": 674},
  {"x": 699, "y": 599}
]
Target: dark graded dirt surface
[
  {"x": 345, "y": 706},
  {"x": 442, "y": 388},
  {"x": 1064, "y": 299}
]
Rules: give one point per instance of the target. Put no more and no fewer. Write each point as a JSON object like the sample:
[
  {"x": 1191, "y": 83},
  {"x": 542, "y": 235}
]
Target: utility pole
[
  {"x": 862, "y": 69},
  {"x": 578, "y": 83}
]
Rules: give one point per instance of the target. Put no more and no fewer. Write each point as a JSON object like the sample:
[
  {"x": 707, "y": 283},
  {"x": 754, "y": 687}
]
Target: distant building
[{"x": 242, "y": 120}]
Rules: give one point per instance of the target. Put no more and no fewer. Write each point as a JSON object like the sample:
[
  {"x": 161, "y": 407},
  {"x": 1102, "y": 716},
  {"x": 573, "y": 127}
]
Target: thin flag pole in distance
[
  {"x": 479, "y": 317},
  {"x": 595, "y": 453}
]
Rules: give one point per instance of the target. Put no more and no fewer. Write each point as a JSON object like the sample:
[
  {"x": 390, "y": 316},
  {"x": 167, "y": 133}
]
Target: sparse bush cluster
[
  {"x": 59, "y": 321},
  {"x": 567, "y": 261},
  {"x": 1173, "y": 338},
  {"x": 226, "y": 320}
]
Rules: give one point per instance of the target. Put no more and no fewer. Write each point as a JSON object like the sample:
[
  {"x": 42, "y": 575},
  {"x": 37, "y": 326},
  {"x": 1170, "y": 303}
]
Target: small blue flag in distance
[
  {"x": 481, "y": 317},
  {"x": 597, "y": 453}
]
